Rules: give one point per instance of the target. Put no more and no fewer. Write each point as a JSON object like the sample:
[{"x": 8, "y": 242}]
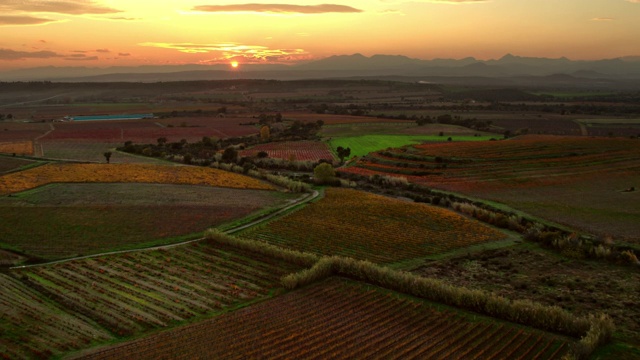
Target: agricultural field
[
  {"x": 64, "y": 220},
  {"x": 18, "y": 131},
  {"x": 219, "y": 127},
  {"x": 330, "y": 119},
  {"x": 121, "y": 173},
  {"x": 364, "y": 144},
  {"x": 17, "y": 147},
  {"x": 372, "y": 227},
  {"x": 8, "y": 163},
  {"x": 33, "y": 326},
  {"x": 298, "y": 150},
  {"x": 92, "y": 152},
  {"x": 580, "y": 286},
  {"x": 135, "y": 292},
  {"x": 611, "y": 127},
  {"x": 343, "y": 319},
  {"x": 575, "y": 181}
]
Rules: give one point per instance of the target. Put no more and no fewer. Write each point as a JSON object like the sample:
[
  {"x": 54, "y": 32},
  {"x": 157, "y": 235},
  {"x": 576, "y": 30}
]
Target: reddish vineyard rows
[
  {"x": 134, "y": 292},
  {"x": 298, "y": 150},
  {"x": 372, "y": 227},
  {"x": 519, "y": 163},
  {"x": 330, "y": 119},
  {"x": 33, "y": 327},
  {"x": 345, "y": 320}
]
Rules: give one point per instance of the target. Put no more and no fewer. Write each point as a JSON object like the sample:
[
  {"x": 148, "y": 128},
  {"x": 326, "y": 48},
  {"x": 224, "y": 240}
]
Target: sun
[{"x": 234, "y": 64}]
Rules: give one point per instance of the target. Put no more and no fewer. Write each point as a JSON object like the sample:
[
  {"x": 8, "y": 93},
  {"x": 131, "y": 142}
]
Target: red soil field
[
  {"x": 301, "y": 150},
  {"x": 346, "y": 320}
]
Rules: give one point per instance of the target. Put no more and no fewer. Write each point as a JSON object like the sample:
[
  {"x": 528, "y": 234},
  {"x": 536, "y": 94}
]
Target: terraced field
[
  {"x": 372, "y": 227},
  {"x": 343, "y": 319}
]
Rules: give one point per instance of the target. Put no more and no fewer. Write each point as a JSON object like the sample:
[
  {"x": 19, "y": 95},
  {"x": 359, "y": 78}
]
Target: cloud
[
  {"x": 103, "y": 50},
  {"x": 81, "y": 58},
  {"x": 123, "y": 18},
  {"x": 124, "y": 54},
  {"x": 227, "y": 51},
  {"x": 279, "y": 8},
  {"x": 23, "y": 20},
  {"x": 602, "y": 19},
  {"x": 70, "y": 7},
  {"x": 8, "y": 54}
]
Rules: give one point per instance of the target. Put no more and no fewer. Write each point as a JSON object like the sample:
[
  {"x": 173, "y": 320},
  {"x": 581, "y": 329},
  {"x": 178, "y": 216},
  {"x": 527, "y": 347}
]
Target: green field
[{"x": 362, "y": 145}]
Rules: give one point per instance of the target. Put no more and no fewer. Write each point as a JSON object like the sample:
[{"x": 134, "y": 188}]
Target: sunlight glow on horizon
[{"x": 197, "y": 32}]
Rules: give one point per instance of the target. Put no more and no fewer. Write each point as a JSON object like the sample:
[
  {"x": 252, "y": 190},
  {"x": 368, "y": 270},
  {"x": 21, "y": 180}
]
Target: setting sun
[{"x": 234, "y": 64}]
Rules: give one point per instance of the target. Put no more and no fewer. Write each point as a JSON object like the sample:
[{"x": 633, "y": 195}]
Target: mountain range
[{"x": 508, "y": 70}]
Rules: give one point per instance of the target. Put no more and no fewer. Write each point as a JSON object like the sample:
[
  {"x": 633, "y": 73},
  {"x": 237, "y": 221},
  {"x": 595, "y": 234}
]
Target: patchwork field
[
  {"x": 91, "y": 151},
  {"x": 131, "y": 293},
  {"x": 115, "y": 173},
  {"x": 572, "y": 180},
  {"x": 298, "y": 150},
  {"x": 34, "y": 327},
  {"x": 17, "y": 147},
  {"x": 344, "y": 319},
  {"x": 64, "y": 220},
  {"x": 372, "y": 227},
  {"x": 330, "y": 119},
  {"x": 8, "y": 163}
]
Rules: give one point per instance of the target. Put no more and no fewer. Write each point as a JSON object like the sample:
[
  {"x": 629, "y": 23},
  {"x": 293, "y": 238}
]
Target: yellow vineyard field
[
  {"x": 123, "y": 173},
  {"x": 17, "y": 147}
]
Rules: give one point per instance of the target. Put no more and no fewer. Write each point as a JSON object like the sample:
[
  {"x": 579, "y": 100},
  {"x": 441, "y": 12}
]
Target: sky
[{"x": 103, "y": 33}]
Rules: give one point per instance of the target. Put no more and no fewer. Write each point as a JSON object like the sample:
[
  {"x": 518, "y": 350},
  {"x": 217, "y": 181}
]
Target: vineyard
[
  {"x": 34, "y": 327},
  {"x": 115, "y": 173},
  {"x": 346, "y": 320},
  {"x": 134, "y": 292},
  {"x": 296, "y": 150},
  {"x": 17, "y": 147},
  {"x": 579, "y": 182},
  {"x": 372, "y": 227},
  {"x": 65, "y": 220}
]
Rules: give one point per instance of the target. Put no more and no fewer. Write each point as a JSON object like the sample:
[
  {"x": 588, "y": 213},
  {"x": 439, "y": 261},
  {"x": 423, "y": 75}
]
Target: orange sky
[{"x": 133, "y": 32}]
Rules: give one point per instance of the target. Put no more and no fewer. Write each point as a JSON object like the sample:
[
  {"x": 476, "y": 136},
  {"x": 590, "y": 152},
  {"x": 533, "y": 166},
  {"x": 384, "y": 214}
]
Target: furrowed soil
[
  {"x": 528, "y": 272},
  {"x": 64, "y": 220}
]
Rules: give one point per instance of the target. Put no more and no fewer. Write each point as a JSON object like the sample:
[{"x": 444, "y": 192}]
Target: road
[{"x": 301, "y": 200}]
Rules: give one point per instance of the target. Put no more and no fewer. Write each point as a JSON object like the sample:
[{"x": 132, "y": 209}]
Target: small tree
[
  {"x": 343, "y": 153},
  {"x": 230, "y": 155},
  {"x": 107, "y": 155},
  {"x": 162, "y": 141},
  {"x": 324, "y": 173}
]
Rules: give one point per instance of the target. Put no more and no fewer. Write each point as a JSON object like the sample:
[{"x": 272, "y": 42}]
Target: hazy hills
[{"x": 508, "y": 70}]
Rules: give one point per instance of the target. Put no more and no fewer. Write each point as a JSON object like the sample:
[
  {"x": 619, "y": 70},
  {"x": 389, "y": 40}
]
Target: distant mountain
[{"x": 508, "y": 69}]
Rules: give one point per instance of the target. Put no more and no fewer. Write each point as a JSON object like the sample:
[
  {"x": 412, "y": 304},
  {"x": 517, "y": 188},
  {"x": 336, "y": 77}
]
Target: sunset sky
[{"x": 138, "y": 32}]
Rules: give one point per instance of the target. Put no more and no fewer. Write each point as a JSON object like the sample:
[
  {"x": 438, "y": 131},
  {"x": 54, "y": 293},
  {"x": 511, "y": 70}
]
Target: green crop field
[
  {"x": 362, "y": 145},
  {"x": 64, "y": 220}
]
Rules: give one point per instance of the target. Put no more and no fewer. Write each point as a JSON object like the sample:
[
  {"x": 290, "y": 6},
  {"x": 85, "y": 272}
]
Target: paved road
[{"x": 301, "y": 200}]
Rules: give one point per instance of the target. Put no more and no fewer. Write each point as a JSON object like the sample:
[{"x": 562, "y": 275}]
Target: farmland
[
  {"x": 64, "y": 220},
  {"x": 13, "y": 163},
  {"x": 365, "y": 226},
  {"x": 298, "y": 150},
  {"x": 344, "y": 319},
  {"x": 362, "y": 145},
  {"x": 90, "y": 151},
  {"x": 575, "y": 181},
  {"x": 19, "y": 147},
  {"x": 114, "y": 173},
  {"x": 32, "y": 326},
  {"x": 132, "y": 293}
]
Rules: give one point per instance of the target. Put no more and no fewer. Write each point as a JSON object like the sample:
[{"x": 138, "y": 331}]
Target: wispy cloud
[
  {"x": 103, "y": 50},
  {"x": 223, "y": 52},
  {"x": 602, "y": 19},
  {"x": 8, "y": 54},
  {"x": 23, "y": 20},
  {"x": 124, "y": 54},
  {"x": 78, "y": 57},
  {"x": 279, "y": 8},
  {"x": 71, "y": 7}
]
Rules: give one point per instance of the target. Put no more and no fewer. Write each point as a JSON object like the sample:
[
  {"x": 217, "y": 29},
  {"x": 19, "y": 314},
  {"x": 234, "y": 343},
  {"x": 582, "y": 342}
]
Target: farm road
[{"x": 301, "y": 200}]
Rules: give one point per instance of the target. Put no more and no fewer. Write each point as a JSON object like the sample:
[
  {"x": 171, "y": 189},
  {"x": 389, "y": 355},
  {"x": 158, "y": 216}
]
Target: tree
[
  {"x": 343, "y": 153},
  {"x": 162, "y": 141},
  {"x": 324, "y": 173},
  {"x": 230, "y": 155},
  {"x": 265, "y": 133},
  {"x": 107, "y": 155}
]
